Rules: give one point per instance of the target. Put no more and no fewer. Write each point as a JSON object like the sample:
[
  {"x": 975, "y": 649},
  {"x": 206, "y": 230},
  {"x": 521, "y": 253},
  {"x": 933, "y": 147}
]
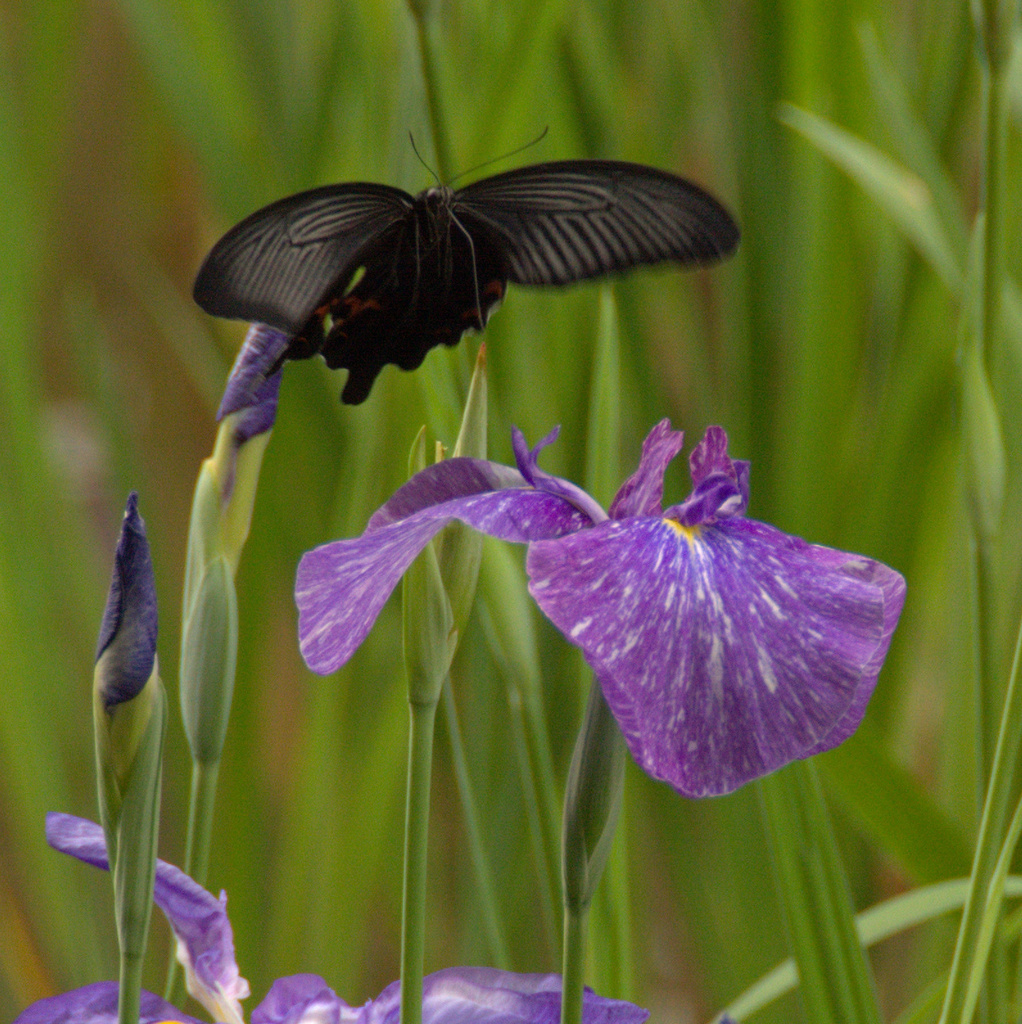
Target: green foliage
[{"x": 133, "y": 133}]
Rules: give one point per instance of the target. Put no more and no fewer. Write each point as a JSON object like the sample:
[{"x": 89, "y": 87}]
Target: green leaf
[{"x": 902, "y": 193}]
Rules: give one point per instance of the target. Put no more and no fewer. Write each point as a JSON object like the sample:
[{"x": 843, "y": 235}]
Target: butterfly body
[{"x": 437, "y": 264}]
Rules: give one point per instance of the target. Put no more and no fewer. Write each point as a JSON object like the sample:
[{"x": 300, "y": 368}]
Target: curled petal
[
  {"x": 642, "y": 493},
  {"x": 528, "y": 465},
  {"x": 724, "y": 651},
  {"x": 205, "y": 942},
  {"x": 342, "y": 586},
  {"x": 710, "y": 456},
  {"x": 97, "y": 1004},
  {"x": 720, "y": 485}
]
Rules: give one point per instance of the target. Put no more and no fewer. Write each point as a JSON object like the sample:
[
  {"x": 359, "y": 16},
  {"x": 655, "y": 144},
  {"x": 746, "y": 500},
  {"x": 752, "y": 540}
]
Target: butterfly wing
[
  {"x": 571, "y": 220},
  {"x": 279, "y": 264}
]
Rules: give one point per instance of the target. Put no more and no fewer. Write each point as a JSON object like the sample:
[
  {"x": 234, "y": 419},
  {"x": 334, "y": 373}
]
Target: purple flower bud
[
  {"x": 254, "y": 382},
  {"x": 127, "y": 635}
]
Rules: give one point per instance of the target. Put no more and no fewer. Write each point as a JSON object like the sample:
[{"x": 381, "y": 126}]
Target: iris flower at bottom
[
  {"x": 725, "y": 648},
  {"x": 458, "y": 995}
]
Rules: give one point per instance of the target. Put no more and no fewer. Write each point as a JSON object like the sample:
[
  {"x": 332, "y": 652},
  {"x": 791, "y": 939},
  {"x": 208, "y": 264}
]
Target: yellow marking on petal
[{"x": 690, "y": 533}]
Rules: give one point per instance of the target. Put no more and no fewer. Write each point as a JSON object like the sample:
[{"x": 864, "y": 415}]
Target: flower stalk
[
  {"x": 218, "y": 529},
  {"x": 437, "y": 595},
  {"x": 129, "y": 717},
  {"x": 592, "y": 803}
]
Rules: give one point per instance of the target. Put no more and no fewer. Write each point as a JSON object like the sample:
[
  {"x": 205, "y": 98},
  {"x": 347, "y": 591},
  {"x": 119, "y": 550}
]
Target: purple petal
[
  {"x": 199, "y": 921},
  {"x": 720, "y": 485},
  {"x": 341, "y": 587},
  {"x": 303, "y": 998},
  {"x": 97, "y": 1004},
  {"x": 724, "y": 651},
  {"x": 127, "y": 634},
  {"x": 709, "y": 456},
  {"x": 444, "y": 481},
  {"x": 642, "y": 493},
  {"x": 254, "y": 381},
  {"x": 893, "y": 586},
  {"x": 483, "y": 995},
  {"x": 528, "y": 466}
]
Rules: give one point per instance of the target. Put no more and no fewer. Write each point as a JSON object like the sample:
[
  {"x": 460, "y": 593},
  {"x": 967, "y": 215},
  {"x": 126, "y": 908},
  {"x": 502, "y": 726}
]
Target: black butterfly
[{"x": 437, "y": 264}]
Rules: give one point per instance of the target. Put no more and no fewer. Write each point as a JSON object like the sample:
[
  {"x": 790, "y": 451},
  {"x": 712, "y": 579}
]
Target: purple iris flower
[
  {"x": 459, "y": 995},
  {"x": 725, "y": 648}
]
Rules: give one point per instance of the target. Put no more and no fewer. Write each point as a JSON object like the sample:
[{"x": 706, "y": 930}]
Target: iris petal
[
  {"x": 97, "y": 1004},
  {"x": 642, "y": 493},
  {"x": 484, "y": 995},
  {"x": 725, "y": 651},
  {"x": 342, "y": 586},
  {"x": 303, "y": 999}
]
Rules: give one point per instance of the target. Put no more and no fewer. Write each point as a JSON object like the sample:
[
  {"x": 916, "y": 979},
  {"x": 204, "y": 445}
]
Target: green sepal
[
  {"x": 209, "y": 654},
  {"x": 239, "y": 480},
  {"x": 592, "y": 801},
  {"x": 459, "y": 548},
  {"x": 222, "y": 505},
  {"x": 119, "y": 734},
  {"x": 204, "y": 541},
  {"x": 129, "y": 800}
]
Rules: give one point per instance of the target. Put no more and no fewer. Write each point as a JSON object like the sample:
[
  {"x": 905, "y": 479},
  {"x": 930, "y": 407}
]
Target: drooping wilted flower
[
  {"x": 725, "y": 648},
  {"x": 458, "y": 995}
]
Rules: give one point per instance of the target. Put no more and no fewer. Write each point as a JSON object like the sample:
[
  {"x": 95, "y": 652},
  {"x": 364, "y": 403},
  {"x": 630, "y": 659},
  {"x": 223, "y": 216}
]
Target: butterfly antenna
[
  {"x": 514, "y": 152},
  {"x": 415, "y": 150},
  {"x": 475, "y": 271}
]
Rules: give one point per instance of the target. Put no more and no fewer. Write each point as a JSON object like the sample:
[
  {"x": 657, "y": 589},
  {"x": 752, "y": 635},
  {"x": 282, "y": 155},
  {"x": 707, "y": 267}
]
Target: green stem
[
  {"x": 196, "y": 863},
  {"x": 200, "y": 820},
  {"x": 573, "y": 964},
  {"x": 129, "y": 992},
  {"x": 413, "y": 908},
  {"x": 592, "y": 801},
  {"x": 613, "y": 960},
  {"x": 988, "y": 844},
  {"x": 487, "y": 893}
]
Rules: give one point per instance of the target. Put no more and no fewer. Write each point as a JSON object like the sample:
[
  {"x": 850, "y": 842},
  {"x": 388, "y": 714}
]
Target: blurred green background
[{"x": 134, "y": 132}]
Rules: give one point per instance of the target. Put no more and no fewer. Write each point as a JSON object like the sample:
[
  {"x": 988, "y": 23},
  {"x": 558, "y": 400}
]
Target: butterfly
[{"x": 367, "y": 274}]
